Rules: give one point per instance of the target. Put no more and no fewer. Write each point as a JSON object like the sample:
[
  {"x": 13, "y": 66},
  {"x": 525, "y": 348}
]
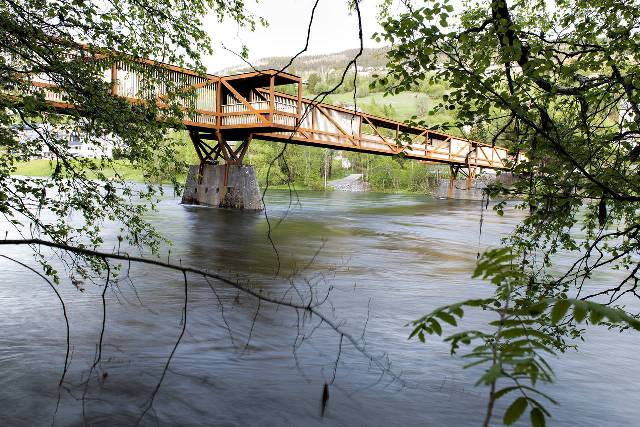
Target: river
[{"x": 384, "y": 260}]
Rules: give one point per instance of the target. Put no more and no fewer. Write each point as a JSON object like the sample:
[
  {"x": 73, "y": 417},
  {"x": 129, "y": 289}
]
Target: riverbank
[
  {"x": 45, "y": 168},
  {"x": 351, "y": 183}
]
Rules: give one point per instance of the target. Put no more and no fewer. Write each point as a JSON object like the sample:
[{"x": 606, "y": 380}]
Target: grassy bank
[
  {"x": 396, "y": 181},
  {"x": 404, "y": 104},
  {"x": 44, "y": 168}
]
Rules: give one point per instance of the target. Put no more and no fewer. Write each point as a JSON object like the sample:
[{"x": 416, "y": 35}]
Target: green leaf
[
  {"x": 537, "y": 418},
  {"x": 515, "y": 411},
  {"x": 537, "y": 309},
  {"x": 498, "y": 394},
  {"x": 596, "y": 315},
  {"x": 491, "y": 375},
  {"x": 436, "y": 326},
  {"x": 534, "y": 373},
  {"x": 559, "y": 310},
  {"x": 416, "y": 330},
  {"x": 457, "y": 310},
  {"x": 447, "y": 318},
  {"x": 478, "y": 362},
  {"x": 579, "y": 311},
  {"x": 521, "y": 332}
]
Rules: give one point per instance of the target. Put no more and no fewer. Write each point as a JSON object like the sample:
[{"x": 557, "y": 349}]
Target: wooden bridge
[{"x": 218, "y": 110}]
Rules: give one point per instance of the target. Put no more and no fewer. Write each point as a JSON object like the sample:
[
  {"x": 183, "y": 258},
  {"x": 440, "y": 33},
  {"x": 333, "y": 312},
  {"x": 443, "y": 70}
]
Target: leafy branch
[{"x": 513, "y": 353}]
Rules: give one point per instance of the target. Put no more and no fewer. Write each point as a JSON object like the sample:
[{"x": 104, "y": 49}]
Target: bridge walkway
[{"x": 220, "y": 109}]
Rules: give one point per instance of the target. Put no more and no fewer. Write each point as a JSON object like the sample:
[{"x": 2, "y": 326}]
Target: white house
[{"x": 77, "y": 144}]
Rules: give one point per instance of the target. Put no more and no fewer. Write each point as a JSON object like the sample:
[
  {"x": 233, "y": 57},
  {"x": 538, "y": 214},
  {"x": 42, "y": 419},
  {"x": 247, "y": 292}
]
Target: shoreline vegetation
[{"x": 424, "y": 178}]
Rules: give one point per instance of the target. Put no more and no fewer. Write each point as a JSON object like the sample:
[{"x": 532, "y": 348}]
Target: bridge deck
[{"x": 245, "y": 106}]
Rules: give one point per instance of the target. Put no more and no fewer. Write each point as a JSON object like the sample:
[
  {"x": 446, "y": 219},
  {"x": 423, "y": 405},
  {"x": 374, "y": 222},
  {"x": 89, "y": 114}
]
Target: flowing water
[{"x": 382, "y": 259}]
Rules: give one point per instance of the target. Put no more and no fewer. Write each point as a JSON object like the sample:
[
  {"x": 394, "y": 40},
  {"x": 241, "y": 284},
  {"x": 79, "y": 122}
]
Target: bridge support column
[
  {"x": 471, "y": 176},
  {"x": 230, "y": 185},
  {"x": 223, "y": 186},
  {"x": 453, "y": 175}
]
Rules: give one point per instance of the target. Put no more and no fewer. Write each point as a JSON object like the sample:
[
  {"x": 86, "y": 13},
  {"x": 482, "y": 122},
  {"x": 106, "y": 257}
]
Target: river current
[{"x": 383, "y": 260}]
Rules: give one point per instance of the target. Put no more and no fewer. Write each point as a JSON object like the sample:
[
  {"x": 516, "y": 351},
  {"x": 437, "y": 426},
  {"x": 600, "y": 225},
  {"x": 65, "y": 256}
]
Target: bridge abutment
[{"x": 223, "y": 186}]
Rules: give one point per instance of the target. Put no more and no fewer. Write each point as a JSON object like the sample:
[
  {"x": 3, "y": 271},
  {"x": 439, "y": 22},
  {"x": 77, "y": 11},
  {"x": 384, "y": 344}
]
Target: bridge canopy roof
[{"x": 262, "y": 78}]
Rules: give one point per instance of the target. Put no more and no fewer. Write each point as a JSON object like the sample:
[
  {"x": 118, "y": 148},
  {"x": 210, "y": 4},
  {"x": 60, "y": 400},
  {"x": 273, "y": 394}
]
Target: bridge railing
[
  {"x": 140, "y": 80},
  {"x": 344, "y": 128},
  {"x": 262, "y": 107},
  {"x": 248, "y": 104},
  {"x": 194, "y": 92},
  {"x": 285, "y": 111},
  {"x": 237, "y": 113},
  {"x": 197, "y": 94}
]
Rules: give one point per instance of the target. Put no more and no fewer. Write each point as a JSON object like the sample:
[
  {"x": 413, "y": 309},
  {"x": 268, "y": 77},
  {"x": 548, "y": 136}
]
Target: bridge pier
[
  {"x": 223, "y": 186},
  {"x": 229, "y": 185},
  {"x": 469, "y": 177},
  {"x": 453, "y": 176}
]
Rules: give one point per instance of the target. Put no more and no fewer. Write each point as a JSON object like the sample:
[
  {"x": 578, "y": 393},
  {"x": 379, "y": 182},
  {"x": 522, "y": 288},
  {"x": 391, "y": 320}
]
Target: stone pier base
[
  {"x": 223, "y": 186},
  {"x": 462, "y": 189}
]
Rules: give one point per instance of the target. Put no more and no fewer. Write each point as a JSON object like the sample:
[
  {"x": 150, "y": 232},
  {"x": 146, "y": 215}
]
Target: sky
[{"x": 334, "y": 29}]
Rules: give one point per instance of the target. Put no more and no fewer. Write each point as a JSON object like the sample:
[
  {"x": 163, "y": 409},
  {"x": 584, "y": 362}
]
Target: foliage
[
  {"x": 398, "y": 174},
  {"x": 525, "y": 332},
  {"x": 312, "y": 82},
  {"x": 301, "y": 166},
  {"x": 73, "y": 45},
  {"x": 559, "y": 85}
]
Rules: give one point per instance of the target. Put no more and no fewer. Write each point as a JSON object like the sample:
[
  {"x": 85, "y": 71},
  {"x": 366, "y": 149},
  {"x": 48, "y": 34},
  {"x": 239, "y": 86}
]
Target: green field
[
  {"x": 405, "y": 105},
  {"x": 46, "y": 167}
]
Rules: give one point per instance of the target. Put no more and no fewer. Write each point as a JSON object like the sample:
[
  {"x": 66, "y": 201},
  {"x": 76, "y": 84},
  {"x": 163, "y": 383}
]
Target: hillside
[
  {"x": 370, "y": 60},
  {"x": 322, "y": 73}
]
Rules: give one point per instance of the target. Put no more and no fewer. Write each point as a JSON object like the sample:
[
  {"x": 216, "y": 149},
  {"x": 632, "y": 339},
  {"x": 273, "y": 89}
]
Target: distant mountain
[{"x": 370, "y": 60}]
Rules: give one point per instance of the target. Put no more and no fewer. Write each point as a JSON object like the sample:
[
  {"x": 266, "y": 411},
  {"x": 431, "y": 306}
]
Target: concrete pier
[
  {"x": 462, "y": 188},
  {"x": 223, "y": 186}
]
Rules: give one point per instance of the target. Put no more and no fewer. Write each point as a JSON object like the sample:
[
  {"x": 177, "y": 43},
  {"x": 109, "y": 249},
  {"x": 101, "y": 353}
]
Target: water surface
[{"x": 384, "y": 260}]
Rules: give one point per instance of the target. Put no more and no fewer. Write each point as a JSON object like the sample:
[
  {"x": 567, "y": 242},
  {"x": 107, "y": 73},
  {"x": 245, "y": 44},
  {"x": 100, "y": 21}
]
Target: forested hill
[{"x": 370, "y": 60}]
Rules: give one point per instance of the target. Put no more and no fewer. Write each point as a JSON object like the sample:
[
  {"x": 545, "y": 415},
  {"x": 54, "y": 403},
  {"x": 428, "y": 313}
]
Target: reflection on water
[{"x": 386, "y": 259}]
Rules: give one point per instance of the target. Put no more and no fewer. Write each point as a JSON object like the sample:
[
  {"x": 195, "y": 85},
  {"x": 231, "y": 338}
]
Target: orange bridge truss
[{"x": 245, "y": 106}]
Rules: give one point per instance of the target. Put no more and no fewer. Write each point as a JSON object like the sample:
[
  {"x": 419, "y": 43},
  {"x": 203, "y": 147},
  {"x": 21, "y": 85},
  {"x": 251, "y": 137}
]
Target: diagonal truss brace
[{"x": 211, "y": 153}]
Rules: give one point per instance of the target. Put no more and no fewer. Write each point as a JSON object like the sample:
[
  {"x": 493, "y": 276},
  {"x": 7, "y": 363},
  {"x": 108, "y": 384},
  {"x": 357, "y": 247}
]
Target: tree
[
  {"x": 72, "y": 44},
  {"x": 561, "y": 81},
  {"x": 312, "y": 82}
]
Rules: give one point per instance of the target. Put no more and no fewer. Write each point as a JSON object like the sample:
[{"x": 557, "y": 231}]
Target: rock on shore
[{"x": 353, "y": 183}]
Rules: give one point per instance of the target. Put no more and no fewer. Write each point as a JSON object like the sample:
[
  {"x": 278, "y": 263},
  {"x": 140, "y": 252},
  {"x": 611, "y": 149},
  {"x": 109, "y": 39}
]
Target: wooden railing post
[
  {"x": 219, "y": 104},
  {"x": 114, "y": 79},
  {"x": 272, "y": 101},
  {"x": 300, "y": 98}
]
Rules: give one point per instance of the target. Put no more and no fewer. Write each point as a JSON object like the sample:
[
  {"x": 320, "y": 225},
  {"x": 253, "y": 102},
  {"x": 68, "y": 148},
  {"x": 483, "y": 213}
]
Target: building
[{"x": 77, "y": 144}]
